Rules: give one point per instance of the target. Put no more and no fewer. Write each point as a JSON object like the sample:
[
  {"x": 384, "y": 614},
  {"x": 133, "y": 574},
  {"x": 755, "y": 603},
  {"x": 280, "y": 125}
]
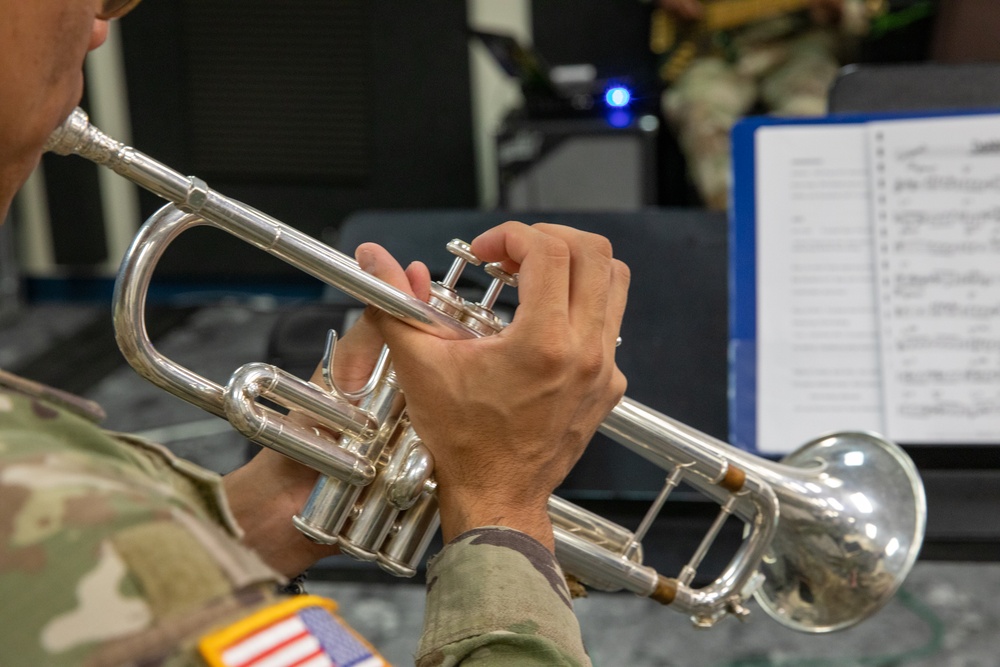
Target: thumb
[
  {"x": 414, "y": 280},
  {"x": 376, "y": 261}
]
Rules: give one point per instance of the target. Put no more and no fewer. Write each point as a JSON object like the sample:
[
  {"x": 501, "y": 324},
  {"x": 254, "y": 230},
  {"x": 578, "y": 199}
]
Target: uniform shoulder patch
[{"x": 302, "y": 631}]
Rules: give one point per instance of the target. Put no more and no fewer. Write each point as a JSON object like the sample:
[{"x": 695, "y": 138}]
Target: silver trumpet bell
[
  {"x": 847, "y": 527},
  {"x": 830, "y": 532}
]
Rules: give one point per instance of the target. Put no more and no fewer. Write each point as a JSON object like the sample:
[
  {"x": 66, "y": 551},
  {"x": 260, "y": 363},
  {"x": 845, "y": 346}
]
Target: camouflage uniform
[
  {"x": 485, "y": 607},
  {"x": 115, "y": 552},
  {"x": 784, "y": 65}
]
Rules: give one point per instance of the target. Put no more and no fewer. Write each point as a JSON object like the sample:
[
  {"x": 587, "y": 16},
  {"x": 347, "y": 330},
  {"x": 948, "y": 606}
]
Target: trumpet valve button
[
  {"x": 460, "y": 248},
  {"x": 463, "y": 256},
  {"x": 495, "y": 270},
  {"x": 500, "y": 278}
]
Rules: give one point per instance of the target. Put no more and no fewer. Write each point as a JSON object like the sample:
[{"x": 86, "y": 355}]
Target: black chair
[{"x": 925, "y": 86}]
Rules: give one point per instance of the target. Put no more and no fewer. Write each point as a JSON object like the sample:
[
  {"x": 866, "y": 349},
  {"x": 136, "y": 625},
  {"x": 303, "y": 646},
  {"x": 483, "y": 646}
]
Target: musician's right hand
[
  {"x": 507, "y": 416},
  {"x": 687, "y": 10}
]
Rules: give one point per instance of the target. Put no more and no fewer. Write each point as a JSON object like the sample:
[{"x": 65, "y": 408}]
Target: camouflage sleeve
[
  {"x": 498, "y": 597},
  {"x": 111, "y": 550}
]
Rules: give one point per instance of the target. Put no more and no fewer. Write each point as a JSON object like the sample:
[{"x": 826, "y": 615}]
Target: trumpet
[{"x": 830, "y": 532}]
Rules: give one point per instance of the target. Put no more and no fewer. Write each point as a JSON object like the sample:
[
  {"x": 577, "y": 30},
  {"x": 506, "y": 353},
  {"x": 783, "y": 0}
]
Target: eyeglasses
[{"x": 114, "y": 9}]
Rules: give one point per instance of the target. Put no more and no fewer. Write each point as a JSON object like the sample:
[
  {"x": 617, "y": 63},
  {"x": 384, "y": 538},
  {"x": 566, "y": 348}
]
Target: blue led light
[
  {"x": 617, "y": 96},
  {"x": 619, "y": 118}
]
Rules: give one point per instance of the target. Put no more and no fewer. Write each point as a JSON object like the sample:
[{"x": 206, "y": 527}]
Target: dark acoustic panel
[
  {"x": 283, "y": 98},
  {"x": 79, "y": 240},
  {"x": 307, "y": 111},
  {"x": 75, "y": 214}
]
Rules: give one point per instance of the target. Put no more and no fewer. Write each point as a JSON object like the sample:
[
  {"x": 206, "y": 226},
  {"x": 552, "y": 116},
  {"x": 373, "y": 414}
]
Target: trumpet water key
[{"x": 830, "y": 532}]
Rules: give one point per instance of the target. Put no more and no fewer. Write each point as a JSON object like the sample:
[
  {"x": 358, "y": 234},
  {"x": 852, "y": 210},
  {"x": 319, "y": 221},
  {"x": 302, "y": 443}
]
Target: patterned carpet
[{"x": 946, "y": 614}]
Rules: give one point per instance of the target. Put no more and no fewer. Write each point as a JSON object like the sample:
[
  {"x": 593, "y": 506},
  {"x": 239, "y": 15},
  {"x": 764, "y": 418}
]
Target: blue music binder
[{"x": 743, "y": 255}]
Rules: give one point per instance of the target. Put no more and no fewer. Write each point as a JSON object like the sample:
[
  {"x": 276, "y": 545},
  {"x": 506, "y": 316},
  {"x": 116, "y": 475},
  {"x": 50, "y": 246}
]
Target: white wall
[{"x": 493, "y": 92}]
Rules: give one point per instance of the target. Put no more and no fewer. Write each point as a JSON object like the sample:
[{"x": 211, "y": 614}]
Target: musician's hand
[
  {"x": 265, "y": 493},
  {"x": 686, "y": 10},
  {"x": 826, "y": 12},
  {"x": 508, "y": 415}
]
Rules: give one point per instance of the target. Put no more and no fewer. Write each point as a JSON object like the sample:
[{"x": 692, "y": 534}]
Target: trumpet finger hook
[{"x": 326, "y": 369}]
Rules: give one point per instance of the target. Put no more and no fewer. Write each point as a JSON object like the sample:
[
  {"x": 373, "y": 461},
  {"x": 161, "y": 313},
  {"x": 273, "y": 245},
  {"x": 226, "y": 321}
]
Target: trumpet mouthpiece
[{"x": 66, "y": 138}]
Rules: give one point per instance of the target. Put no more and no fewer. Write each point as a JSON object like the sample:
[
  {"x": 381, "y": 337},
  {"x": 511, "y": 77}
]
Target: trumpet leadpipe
[{"x": 192, "y": 195}]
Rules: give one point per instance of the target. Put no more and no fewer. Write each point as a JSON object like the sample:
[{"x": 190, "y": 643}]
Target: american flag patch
[{"x": 302, "y": 631}]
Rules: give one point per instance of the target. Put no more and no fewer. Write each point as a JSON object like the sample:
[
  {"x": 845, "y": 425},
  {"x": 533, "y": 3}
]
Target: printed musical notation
[
  {"x": 817, "y": 342},
  {"x": 936, "y": 216},
  {"x": 877, "y": 280}
]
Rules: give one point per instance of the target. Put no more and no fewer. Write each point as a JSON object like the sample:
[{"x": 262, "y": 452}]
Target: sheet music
[
  {"x": 817, "y": 341},
  {"x": 936, "y": 207}
]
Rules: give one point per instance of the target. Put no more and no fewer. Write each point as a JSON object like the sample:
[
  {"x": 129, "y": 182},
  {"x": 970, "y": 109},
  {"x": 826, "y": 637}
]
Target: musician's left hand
[{"x": 267, "y": 491}]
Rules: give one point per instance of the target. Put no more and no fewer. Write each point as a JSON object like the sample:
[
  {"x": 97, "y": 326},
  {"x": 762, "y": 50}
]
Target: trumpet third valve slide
[{"x": 831, "y": 531}]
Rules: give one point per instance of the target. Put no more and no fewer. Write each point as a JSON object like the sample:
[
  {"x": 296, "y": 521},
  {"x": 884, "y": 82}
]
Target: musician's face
[{"x": 42, "y": 48}]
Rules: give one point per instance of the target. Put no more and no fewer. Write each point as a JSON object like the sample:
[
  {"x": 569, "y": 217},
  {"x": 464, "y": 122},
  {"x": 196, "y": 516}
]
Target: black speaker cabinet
[{"x": 578, "y": 164}]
